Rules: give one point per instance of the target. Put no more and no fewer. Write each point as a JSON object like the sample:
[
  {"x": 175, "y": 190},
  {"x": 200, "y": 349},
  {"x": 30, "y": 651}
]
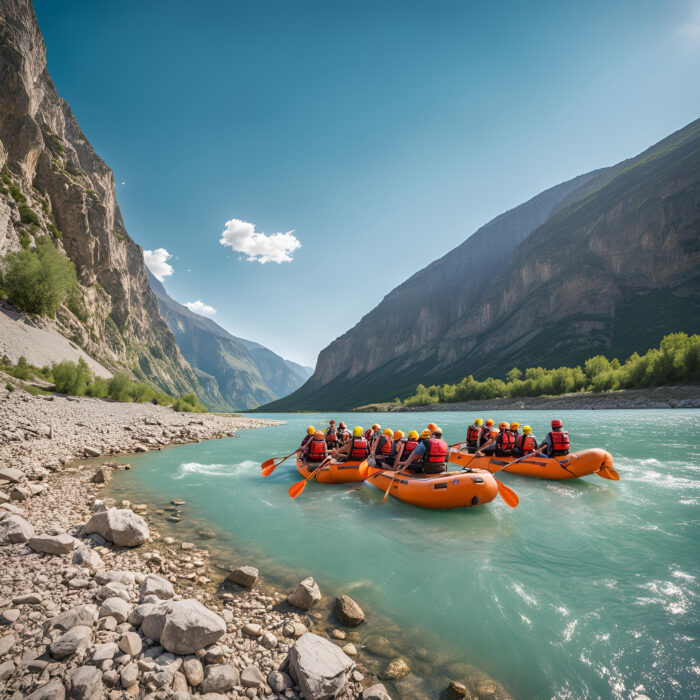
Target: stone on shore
[
  {"x": 52, "y": 544},
  {"x": 79, "y": 615},
  {"x": 74, "y": 641},
  {"x": 53, "y": 690},
  {"x": 119, "y": 525},
  {"x": 115, "y": 607},
  {"x": 219, "y": 678},
  {"x": 348, "y": 612},
  {"x": 102, "y": 476},
  {"x": 85, "y": 683},
  {"x": 321, "y": 669},
  {"x": 305, "y": 595},
  {"x": 84, "y": 556},
  {"x": 131, "y": 644},
  {"x": 6, "y": 643},
  {"x": 456, "y": 691},
  {"x": 12, "y": 474},
  {"x": 14, "y": 530},
  {"x": 251, "y": 677},
  {"x": 183, "y": 626},
  {"x": 245, "y": 576},
  {"x": 194, "y": 671},
  {"x": 396, "y": 669},
  {"x": 376, "y": 692},
  {"x": 91, "y": 452},
  {"x": 156, "y": 586}
]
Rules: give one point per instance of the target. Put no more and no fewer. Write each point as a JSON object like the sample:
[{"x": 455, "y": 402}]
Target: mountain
[
  {"x": 55, "y": 185},
  {"x": 247, "y": 374},
  {"x": 608, "y": 262}
]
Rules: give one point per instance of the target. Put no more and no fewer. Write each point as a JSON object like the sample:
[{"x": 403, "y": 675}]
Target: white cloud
[
  {"x": 199, "y": 307},
  {"x": 690, "y": 29},
  {"x": 156, "y": 262},
  {"x": 261, "y": 247}
]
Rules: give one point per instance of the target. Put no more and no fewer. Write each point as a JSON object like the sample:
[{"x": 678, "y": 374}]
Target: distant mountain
[
  {"x": 608, "y": 262},
  {"x": 246, "y": 373}
]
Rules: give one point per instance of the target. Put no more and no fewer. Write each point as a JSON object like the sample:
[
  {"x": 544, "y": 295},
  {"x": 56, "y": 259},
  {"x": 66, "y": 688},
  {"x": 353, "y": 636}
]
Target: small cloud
[
  {"x": 156, "y": 262},
  {"x": 690, "y": 29},
  {"x": 199, "y": 307},
  {"x": 259, "y": 247}
]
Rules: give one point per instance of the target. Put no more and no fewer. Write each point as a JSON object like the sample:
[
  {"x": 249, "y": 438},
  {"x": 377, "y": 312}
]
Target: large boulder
[
  {"x": 79, "y": 615},
  {"x": 53, "y": 690},
  {"x": 119, "y": 525},
  {"x": 14, "y": 530},
  {"x": 321, "y": 669},
  {"x": 156, "y": 586},
  {"x": 74, "y": 641},
  {"x": 12, "y": 474},
  {"x": 219, "y": 678},
  {"x": 245, "y": 576},
  {"x": 348, "y": 612},
  {"x": 183, "y": 626},
  {"x": 305, "y": 594},
  {"x": 52, "y": 544},
  {"x": 89, "y": 558},
  {"x": 85, "y": 683},
  {"x": 115, "y": 607}
]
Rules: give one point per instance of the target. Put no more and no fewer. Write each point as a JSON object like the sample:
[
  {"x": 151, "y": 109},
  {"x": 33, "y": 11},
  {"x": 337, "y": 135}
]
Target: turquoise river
[{"x": 589, "y": 588}]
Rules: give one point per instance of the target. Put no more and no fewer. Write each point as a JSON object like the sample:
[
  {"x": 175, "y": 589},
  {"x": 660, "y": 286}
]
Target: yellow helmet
[
  {"x": 425, "y": 434},
  {"x": 431, "y": 427},
  {"x": 478, "y": 421},
  {"x": 376, "y": 426},
  {"x": 514, "y": 425},
  {"x": 412, "y": 434},
  {"x": 310, "y": 430},
  {"x": 527, "y": 430},
  {"x": 398, "y": 435},
  {"x": 357, "y": 431},
  {"x": 388, "y": 432}
]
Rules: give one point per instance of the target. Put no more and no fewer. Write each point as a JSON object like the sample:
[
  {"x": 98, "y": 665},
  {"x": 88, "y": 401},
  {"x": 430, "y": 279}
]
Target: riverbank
[
  {"x": 96, "y": 601},
  {"x": 658, "y": 397}
]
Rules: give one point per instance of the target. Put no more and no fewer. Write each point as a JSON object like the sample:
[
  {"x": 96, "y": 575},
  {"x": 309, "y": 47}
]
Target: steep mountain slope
[
  {"x": 607, "y": 262},
  {"x": 55, "y": 185},
  {"x": 247, "y": 374}
]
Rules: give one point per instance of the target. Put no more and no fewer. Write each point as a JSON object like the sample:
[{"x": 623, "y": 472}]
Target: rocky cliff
[
  {"x": 55, "y": 185},
  {"x": 247, "y": 374},
  {"x": 608, "y": 262}
]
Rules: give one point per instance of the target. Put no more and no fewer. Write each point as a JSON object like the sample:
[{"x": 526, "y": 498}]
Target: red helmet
[{"x": 556, "y": 423}]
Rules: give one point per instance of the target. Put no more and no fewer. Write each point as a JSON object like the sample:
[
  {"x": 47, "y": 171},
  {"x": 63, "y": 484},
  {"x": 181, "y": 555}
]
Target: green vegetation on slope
[{"x": 675, "y": 361}]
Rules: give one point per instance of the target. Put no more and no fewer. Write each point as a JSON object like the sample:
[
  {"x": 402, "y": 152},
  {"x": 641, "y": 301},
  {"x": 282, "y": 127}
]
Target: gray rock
[
  {"x": 15, "y": 530},
  {"x": 113, "y": 590},
  {"x": 251, "y": 677},
  {"x": 183, "y": 626},
  {"x": 180, "y": 695},
  {"x": 156, "y": 586},
  {"x": 245, "y": 576},
  {"x": 84, "y": 556},
  {"x": 194, "y": 671},
  {"x": 20, "y": 493},
  {"x": 102, "y": 476},
  {"x": 322, "y": 669},
  {"x": 52, "y": 544},
  {"x": 279, "y": 681},
  {"x": 125, "y": 578},
  {"x": 7, "y": 668},
  {"x": 12, "y": 474},
  {"x": 85, "y": 683},
  {"x": 219, "y": 678},
  {"x": 129, "y": 674},
  {"x": 138, "y": 613},
  {"x": 104, "y": 651},
  {"x": 27, "y": 599},
  {"x": 80, "y": 615},
  {"x": 74, "y": 641},
  {"x": 131, "y": 644},
  {"x": 9, "y": 616},
  {"x": 6, "y": 643},
  {"x": 348, "y": 612},
  {"x": 53, "y": 690},
  {"x": 117, "y": 608},
  {"x": 91, "y": 451},
  {"x": 376, "y": 692},
  {"x": 305, "y": 594},
  {"x": 119, "y": 525}
]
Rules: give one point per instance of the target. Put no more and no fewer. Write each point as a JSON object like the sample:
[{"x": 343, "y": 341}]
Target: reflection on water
[{"x": 588, "y": 588}]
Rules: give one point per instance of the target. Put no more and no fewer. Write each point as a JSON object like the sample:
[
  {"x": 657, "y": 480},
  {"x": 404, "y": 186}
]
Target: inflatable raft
[
  {"x": 438, "y": 491},
  {"x": 333, "y": 472},
  {"x": 571, "y": 466}
]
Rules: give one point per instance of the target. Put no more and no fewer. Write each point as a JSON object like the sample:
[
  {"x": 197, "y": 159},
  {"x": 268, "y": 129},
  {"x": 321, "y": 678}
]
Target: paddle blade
[
  {"x": 269, "y": 469},
  {"x": 608, "y": 473},
  {"x": 267, "y": 463},
  {"x": 296, "y": 489},
  {"x": 507, "y": 494},
  {"x": 363, "y": 469}
]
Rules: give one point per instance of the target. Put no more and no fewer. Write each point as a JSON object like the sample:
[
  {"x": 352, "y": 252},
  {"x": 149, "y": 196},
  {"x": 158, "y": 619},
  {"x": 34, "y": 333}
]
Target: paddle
[
  {"x": 608, "y": 473},
  {"x": 269, "y": 465},
  {"x": 363, "y": 469},
  {"x": 506, "y": 493},
  {"x": 296, "y": 489},
  {"x": 391, "y": 483}
]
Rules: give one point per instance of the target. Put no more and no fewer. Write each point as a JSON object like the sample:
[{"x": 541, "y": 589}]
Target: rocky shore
[
  {"x": 96, "y": 603},
  {"x": 657, "y": 397}
]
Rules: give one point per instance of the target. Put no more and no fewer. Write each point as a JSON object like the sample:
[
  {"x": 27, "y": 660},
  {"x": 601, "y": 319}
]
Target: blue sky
[{"x": 376, "y": 135}]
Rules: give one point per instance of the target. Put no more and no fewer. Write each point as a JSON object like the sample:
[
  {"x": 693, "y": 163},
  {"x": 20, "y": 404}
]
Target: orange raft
[
  {"x": 438, "y": 491},
  {"x": 333, "y": 472},
  {"x": 571, "y": 466}
]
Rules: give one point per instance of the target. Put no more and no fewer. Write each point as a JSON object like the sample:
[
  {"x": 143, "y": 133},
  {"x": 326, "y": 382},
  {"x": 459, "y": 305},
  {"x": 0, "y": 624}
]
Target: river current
[{"x": 589, "y": 588}]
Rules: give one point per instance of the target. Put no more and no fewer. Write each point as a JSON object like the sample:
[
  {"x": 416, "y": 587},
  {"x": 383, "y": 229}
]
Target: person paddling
[
  {"x": 310, "y": 432},
  {"x": 502, "y": 445},
  {"x": 355, "y": 449},
  {"x": 526, "y": 443},
  {"x": 473, "y": 434},
  {"x": 556, "y": 442},
  {"x": 430, "y": 455},
  {"x": 331, "y": 435},
  {"x": 487, "y": 433},
  {"x": 383, "y": 447},
  {"x": 316, "y": 450}
]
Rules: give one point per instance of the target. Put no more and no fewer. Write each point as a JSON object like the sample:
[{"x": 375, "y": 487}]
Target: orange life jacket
[
  {"x": 505, "y": 442},
  {"x": 385, "y": 449},
  {"x": 526, "y": 444},
  {"x": 316, "y": 450},
  {"x": 359, "y": 448},
  {"x": 560, "y": 442},
  {"x": 473, "y": 433},
  {"x": 435, "y": 451}
]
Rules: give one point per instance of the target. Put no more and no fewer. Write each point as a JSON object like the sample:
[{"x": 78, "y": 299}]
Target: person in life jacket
[
  {"x": 556, "y": 443},
  {"x": 372, "y": 433},
  {"x": 355, "y": 449},
  {"x": 405, "y": 446},
  {"x": 331, "y": 435},
  {"x": 514, "y": 426},
  {"x": 383, "y": 448},
  {"x": 487, "y": 433},
  {"x": 473, "y": 434},
  {"x": 430, "y": 455},
  {"x": 398, "y": 440},
  {"x": 343, "y": 433},
  {"x": 310, "y": 432},
  {"x": 526, "y": 443},
  {"x": 502, "y": 445},
  {"x": 316, "y": 450}
]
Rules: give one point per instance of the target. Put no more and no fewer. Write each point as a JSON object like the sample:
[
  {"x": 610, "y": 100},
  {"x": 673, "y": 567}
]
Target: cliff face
[
  {"x": 607, "y": 262},
  {"x": 54, "y": 184},
  {"x": 246, "y": 373}
]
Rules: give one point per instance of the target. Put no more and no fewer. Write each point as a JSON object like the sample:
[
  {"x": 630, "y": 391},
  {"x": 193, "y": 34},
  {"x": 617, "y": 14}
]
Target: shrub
[
  {"x": 21, "y": 370},
  {"x": 27, "y": 215},
  {"x": 70, "y": 378},
  {"x": 38, "y": 281},
  {"x": 189, "y": 403},
  {"x": 9, "y": 387}
]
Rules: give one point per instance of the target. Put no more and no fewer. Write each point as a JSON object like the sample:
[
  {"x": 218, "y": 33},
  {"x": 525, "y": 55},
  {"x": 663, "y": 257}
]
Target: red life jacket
[
  {"x": 526, "y": 444},
  {"x": 408, "y": 447},
  {"x": 505, "y": 441},
  {"x": 316, "y": 451},
  {"x": 385, "y": 448},
  {"x": 560, "y": 442},
  {"x": 331, "y": 436},
  {"x": 473, "y": 433},
  {"x": 368, "y": 434},
  {"x": 359, "y": 448},
  {"x": 435, "y": 451}
]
